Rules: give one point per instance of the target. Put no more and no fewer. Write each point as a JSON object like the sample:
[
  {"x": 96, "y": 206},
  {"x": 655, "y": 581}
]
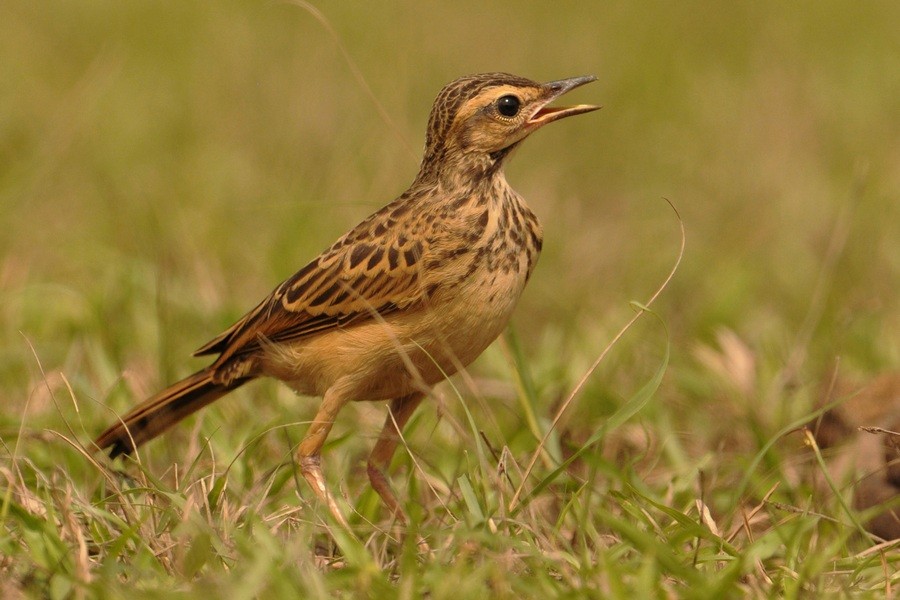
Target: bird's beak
[{"x": 546, "y": 114}]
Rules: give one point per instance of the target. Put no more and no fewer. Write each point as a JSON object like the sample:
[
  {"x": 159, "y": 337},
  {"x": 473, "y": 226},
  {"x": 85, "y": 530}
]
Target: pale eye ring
[{"x": 508, "y": 105}]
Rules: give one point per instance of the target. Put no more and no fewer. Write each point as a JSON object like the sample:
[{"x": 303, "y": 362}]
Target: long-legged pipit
[{"x": 410, "y": 295}]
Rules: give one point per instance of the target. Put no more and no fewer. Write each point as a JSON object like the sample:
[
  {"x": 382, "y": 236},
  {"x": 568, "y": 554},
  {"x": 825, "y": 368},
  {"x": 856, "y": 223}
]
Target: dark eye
[{"x": 508, "y": 105}]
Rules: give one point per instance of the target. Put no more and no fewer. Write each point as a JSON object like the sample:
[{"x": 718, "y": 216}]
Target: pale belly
[{"x": 406, "y": 351}]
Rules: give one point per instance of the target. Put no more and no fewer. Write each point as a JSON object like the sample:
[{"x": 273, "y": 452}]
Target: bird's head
[{"x": 477, "y": 120}]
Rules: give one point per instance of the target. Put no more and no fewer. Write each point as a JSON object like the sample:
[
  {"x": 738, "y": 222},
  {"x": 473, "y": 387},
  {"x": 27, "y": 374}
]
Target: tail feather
[{"x": 162, "y": 411}]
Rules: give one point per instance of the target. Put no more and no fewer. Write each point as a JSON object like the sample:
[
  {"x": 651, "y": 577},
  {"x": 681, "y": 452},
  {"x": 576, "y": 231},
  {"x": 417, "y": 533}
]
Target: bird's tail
[{"x": 163, "y": 410}]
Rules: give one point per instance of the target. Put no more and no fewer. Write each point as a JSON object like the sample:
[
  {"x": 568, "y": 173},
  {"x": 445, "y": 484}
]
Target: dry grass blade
[
  {"x": 564, "y": 406},
  {"x": 357, "y": 73}
]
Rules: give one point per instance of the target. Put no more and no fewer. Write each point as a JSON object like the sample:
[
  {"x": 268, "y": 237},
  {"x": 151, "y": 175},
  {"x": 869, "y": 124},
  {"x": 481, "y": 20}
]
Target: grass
[{"x": 164, "y": 164}]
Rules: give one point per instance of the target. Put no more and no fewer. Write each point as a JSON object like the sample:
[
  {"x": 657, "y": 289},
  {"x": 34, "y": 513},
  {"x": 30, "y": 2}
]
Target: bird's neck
[{"x": 459, "y": 170}]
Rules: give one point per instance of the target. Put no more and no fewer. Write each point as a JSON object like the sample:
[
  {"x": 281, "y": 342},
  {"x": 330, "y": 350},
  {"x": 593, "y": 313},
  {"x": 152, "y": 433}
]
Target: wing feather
[{"x": 367, "y": 272}]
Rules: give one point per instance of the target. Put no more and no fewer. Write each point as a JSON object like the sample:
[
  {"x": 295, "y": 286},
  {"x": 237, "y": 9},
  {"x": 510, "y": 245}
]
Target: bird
[{"x": 411, "y": 295}]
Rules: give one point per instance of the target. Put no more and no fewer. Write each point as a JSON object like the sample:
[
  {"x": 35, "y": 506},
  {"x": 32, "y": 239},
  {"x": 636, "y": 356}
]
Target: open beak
[{"x": 553, "y": 90}]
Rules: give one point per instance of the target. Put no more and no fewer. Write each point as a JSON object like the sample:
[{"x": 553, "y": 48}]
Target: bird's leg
[
  {"x": 399, "y": 412},
  {"x": 309, "y": 451}
]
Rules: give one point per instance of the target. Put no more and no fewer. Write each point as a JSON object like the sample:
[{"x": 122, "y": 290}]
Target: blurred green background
[{"x": 164, "y": 164}]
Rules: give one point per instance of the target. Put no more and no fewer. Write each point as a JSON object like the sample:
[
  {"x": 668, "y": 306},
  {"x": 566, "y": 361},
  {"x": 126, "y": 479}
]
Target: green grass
[{"x": 164, "y": 164}]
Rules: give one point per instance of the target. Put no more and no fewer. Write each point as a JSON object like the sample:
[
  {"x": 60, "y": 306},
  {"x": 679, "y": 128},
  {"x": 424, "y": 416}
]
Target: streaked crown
[{"x": 480, "y": 118}]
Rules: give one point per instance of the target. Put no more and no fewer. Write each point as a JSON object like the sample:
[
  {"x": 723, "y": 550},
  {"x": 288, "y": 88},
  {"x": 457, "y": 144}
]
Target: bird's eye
[{"x": 508, "y": 105}]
